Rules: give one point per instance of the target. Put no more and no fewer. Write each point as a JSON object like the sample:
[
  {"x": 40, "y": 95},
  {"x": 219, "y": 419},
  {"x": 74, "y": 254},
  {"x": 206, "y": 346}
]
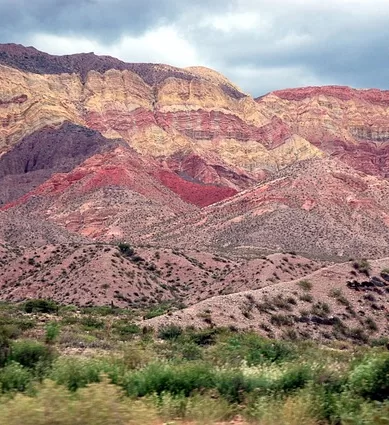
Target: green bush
[
  {"x": 304, "y": 284},
  {"x": 30, "y": 353},
  {"x": 124, "y": 328},
  {"x": 92, "y": 323},
  {"x": 202, "y": 337},
  {"x": 175, "y": 379},
  {"x": 126, "y": 249},
  {"x": 76, "y": 373},
  {"x": 370, "y": 379},
  {"x": 98, "y": 404},
  {"x": 52, "y": 332},
  {"x": 14, "y": 377},
  {"x": 170, "y": 332},
  {"x": 40, "y": 306}
]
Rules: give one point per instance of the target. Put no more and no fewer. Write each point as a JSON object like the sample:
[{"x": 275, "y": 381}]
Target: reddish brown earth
[
  {"x": 91, "y": 274},
  {"x": 341, "y": 303},
  {"x": 319, "y": 208}
]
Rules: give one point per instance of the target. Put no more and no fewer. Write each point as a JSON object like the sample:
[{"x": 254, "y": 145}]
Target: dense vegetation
[{"x": 71, "y": 366}]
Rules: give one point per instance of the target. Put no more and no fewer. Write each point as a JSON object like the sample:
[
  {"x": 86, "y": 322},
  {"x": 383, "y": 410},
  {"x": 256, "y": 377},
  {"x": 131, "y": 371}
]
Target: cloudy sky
[{"x": 261, "y": 45}]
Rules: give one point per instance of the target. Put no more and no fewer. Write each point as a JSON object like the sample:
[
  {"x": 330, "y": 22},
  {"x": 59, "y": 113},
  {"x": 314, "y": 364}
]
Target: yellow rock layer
[
  {"x": 253, "y": 156},
  {"x": 326, "y": 114}
]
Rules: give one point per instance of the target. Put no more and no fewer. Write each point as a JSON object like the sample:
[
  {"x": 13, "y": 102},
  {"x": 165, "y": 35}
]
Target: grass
[{"x": 132, "y": 375}]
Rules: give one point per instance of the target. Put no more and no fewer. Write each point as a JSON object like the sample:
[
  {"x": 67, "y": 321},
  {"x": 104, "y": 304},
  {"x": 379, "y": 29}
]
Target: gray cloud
[
  {"x": 261, "y": 45},
  {"x": 104, "y": 20}
]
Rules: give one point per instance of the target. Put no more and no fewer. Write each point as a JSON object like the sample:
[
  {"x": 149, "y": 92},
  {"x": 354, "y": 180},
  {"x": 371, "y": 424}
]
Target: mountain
[{"x": 218, "y": 192}]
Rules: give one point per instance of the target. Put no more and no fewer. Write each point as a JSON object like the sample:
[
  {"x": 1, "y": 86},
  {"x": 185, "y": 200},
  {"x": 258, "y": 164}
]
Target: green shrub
[
  {"x": 203, "y": 337},
  {"x": 191, "y": 351},
  {"x": 40, "y": 306},
  {"x": 370, "y": 379},
  {"x": 30, "y": 353},
  {"x": 362, "y": 266},
  {"x": 296, "y": 376},
  {"x": 281, "y": 320},
  {"x": 198, "y": 409},
  {"x": 371, "y": 324},
  {"x": 170, "y": 332},
  {"x": 380, "y": 342},
  {"x": 306, "y": 297},
  {"x": 14, "y": 377},
  {"x": 76, "y": 373},
  {"x": 126, "y": 249},
  {"x": 126, "y": 329},
  {"x": 5, "y": 345},
  {"x": 321, "y": 309},
  {"x": 91, "y": 322},
  {"x": 176, "y": 379},
  {"x": 98, "y": 404},
  {"x": 52, "y": 332}
]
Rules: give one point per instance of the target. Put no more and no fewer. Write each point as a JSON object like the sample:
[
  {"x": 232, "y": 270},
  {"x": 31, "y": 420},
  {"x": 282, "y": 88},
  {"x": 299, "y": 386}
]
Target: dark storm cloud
[
  {"x": 104, "y": 20},
  {"x": 261, "y": 45}
]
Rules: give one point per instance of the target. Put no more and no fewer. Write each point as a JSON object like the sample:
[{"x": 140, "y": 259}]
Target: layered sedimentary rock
[
  {"x": 159, "y": 110},
  {"x": 349, "y": 124},
  {"x": 110, "y": 150}
]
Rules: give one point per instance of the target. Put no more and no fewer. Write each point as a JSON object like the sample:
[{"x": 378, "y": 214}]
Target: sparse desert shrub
[
  {"x": 126, "y": 249},
  {"x": 358, "y": 334},
  {"x": 371, "y": 324},
  {"x": 203, "y": 337},
  {"x": 321, "y": 309},
  {"x": 380, "y": 342},
  {"x": 363, "y": 266},
  {"x": 170, "y": 332},
  {"x": 335, "y": 293},
  {"x": 284, "y": 304},
  {"x": 304, "y": 284},
  {"x": 281, "y": 320},
  {"x": 40, "y": 306},
  {"x": 306, "y": 297}
]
